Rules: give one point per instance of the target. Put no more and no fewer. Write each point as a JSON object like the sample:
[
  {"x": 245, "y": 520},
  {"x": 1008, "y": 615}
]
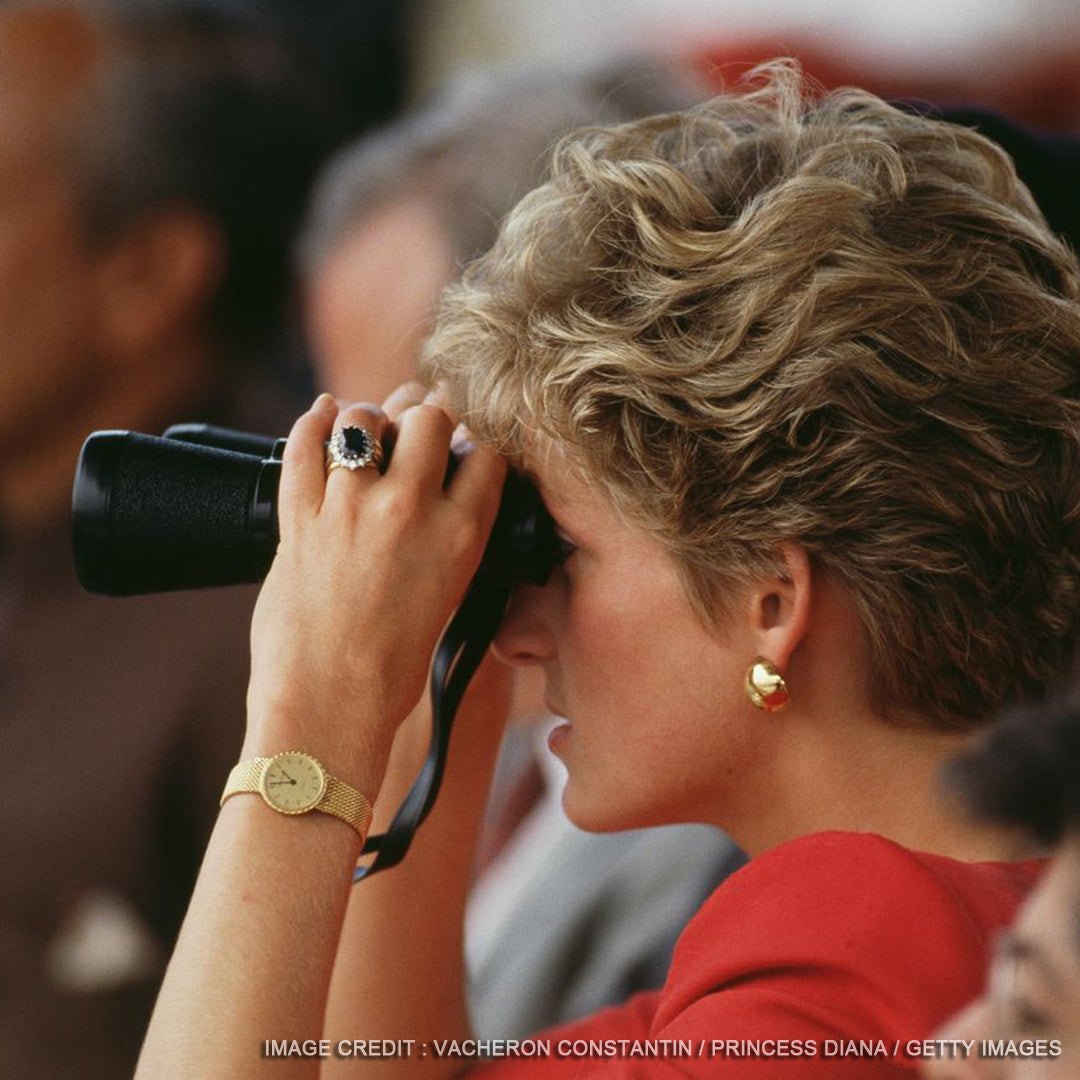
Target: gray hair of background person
[
  {"x": 203, "y": 108},
  {"x": 481, "y": 144}
]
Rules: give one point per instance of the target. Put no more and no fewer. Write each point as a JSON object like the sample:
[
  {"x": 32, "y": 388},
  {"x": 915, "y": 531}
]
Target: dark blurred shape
[
  {"x": 155, "y": 158},
  {"x": 1048, "y": 162},
  {"x": 359, "y": 48},
  {"x": 1025, "y": 772}
]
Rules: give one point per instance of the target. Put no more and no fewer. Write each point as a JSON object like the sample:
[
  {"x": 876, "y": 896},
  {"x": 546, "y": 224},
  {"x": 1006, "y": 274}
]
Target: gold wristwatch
[{"x": 293, "y": 782}]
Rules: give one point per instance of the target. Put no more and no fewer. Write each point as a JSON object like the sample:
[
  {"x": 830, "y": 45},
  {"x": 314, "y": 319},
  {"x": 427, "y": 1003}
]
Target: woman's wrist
[
  {"x": 340, "y": 842},
  {"x": 344, "y": 750}
]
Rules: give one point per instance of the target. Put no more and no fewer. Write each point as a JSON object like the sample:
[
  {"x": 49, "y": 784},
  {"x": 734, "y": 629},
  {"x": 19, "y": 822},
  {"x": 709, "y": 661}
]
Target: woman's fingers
[
  {"x": 478, "y": 479},
  {"x": 478, "y": 483},
  {"x": 303, "y": 473},
  {"x": 420, "y": 454},
  {"x": 345, "y": 483},
  {"x": 405, "y": 396},
  {"x": 422, "y": 447},
  {"x": 440, "y": 396},
  {"x": 374, "y": 559}
]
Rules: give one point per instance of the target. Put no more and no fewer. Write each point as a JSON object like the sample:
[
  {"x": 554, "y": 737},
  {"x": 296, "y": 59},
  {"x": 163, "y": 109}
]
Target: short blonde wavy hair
[{"x": 822, "y": 320}]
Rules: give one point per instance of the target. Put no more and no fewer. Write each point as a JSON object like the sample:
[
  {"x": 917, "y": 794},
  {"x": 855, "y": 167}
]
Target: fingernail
[{"x": 323, "y": 402}]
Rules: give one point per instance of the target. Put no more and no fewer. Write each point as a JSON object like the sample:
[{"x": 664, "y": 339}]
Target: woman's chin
[
  {"x": 591, "y": 811},
  {"x": 595, "y": 803}
]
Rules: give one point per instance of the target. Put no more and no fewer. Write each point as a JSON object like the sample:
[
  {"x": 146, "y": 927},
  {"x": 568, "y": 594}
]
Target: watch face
[{"x": 292, "y": 782}]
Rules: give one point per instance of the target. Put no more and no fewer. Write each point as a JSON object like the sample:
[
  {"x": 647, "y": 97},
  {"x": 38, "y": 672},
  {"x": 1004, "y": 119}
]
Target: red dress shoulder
[{"x": 822, "y": 958}]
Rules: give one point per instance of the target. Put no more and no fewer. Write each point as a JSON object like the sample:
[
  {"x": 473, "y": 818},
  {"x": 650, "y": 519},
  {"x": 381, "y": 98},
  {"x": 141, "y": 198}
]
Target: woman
[{"x": 798, "y": 383}]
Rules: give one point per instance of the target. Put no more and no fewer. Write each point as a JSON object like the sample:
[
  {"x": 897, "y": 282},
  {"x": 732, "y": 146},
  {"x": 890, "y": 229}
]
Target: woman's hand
[{"x": 368, "y": 571}]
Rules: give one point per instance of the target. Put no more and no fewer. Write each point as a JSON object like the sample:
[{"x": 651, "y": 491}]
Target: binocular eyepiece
[{"x": 197, "y": 507}]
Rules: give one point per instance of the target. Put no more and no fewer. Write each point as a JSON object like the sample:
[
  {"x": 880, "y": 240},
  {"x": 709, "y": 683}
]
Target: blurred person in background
[
  {"x": 154, "y": 162},
  {"x": 561, "y": 922},
  {"x": 396, "y": 215},
  {"x": 1026, "y": 776}
]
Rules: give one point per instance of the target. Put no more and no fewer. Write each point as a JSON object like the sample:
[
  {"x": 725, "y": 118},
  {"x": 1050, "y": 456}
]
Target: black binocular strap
[{"x": 459, "y": 654}]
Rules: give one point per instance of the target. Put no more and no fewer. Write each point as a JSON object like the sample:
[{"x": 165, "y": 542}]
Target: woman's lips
[{"x": 557, "y": 737}]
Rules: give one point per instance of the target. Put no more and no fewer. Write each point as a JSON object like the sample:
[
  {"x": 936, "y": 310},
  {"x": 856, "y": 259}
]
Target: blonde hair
[{"x": 773, "y": 318}]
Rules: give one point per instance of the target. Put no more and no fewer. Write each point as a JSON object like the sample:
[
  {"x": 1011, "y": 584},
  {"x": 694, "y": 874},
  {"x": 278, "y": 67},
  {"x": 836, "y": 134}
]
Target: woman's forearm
[
  {"x": 400, "y": 969},
  {"x": 255, "y": 954},
  {"x": 255, "y": 957},
  {"x": 368, "y": 570}
]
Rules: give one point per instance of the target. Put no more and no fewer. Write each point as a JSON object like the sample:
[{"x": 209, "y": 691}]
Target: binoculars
[{"x": 197, "y": 507}]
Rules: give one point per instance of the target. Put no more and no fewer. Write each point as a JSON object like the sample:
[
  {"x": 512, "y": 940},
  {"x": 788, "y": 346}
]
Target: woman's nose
[{"x": 524, "y": 635}]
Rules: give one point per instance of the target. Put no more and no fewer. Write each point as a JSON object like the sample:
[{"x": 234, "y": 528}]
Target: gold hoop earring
[{"x": 765, "y": 686}]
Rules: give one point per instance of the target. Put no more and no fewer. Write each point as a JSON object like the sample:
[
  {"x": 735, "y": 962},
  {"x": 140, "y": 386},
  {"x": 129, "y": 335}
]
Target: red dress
[{"x": 831, "y": 956}]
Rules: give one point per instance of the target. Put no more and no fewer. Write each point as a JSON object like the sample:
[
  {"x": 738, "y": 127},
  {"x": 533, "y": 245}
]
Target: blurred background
[
  {"x": 210, "y": 208},
  {"x": 1020, "y": 55}
]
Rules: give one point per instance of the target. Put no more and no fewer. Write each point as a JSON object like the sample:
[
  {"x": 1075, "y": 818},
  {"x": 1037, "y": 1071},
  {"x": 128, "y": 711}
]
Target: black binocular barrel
[
  {"x": 152, "y": 515},
  {"x": 195, "y": 509}
]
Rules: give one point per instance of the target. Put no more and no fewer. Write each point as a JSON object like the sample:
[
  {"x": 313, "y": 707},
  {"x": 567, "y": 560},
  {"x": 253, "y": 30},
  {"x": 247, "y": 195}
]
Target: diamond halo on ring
[{"x": 353, "y": 448}]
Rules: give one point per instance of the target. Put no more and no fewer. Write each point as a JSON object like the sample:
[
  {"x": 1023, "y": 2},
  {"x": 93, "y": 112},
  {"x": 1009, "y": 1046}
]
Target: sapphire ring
[{"x": 353, "y": 448}]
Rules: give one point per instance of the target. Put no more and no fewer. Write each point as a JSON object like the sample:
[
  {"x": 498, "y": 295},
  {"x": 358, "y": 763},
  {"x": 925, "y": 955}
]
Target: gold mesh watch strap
[
  {"x": 338, "y": 798},
  {"x": 345, "y": 802},
  {"x": 244, "y": 776}
]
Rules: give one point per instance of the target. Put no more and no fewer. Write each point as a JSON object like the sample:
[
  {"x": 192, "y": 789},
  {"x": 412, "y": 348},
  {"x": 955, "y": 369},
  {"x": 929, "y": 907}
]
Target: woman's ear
[{"x": 780, "y": 606}]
